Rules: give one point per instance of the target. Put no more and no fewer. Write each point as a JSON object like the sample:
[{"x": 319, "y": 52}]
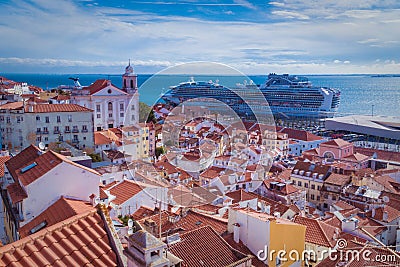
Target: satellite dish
[
  {"x": 385, "y": 199},
  {"x": 42, "y": 146}
]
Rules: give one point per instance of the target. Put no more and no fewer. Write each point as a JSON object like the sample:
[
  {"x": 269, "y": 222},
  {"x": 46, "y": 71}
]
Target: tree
[
  {"x": 95, "y": 157},
  {"x": 146, "y": 113},
  {"x": 159, "y": 150}
]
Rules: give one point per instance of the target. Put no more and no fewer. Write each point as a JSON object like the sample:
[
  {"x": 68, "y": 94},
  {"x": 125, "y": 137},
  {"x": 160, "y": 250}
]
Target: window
[
  {"x": 313, "y": 186},
  {"x": 69, "y": 118},
  {"x": 45, "y": 130},
  {"x": 84, "y": 128},
  {"x": 305, "y": 185},
  {"x": 75, "y": 129},
  {"x": 38, "y": 118},
  {"x": 110, "y": 106},
  {"x": 38, "y": 130},
  {"x": 98, "y": 116},
  {"x": 47, "y": 119},
  {"x": 110, "y": 115},
  {"x": 98, "y": 108},
  {"x": 319, "y": 188},
  {"x": 133, "y": 117},
  {"x": 39, "y": 139},
  {"x": 98, "y": 129},
  {"x": 318, "y": 198},
  {"x": 133, "y": 107},
  {"x": 121, "y": 114},
  {"x": 56, "y": 129},
  {"x": 58, "y": 118},
  {"x": 298, "y": 183},
  {"x": 312, "y": 197},
  {"x": 8, "y": 119},
  {"x": 121, "y": 106}
]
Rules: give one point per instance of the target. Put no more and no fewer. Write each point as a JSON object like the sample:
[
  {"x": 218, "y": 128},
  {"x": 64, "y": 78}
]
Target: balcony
[
  {"x": 84, "y": 130},
  {"x": 75, "y": 141},
  {"x": 75, "y": 130},
  {"x": 67, "y": 131},
  {"x": 45, "y": 132},
  {"x": 56, "y": 131}
]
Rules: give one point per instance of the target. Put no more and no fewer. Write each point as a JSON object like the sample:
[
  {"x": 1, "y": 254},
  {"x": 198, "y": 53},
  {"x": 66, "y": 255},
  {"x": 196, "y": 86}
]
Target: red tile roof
[
  {"x": 336, "y": 143},
  {"x": 392, "y": 213},
  {"x": 99, "y": 85},
  {"x": 142, "y": 212},
  {"x": 338, "y": 179},
  {"x": 48, "y": 108},
  {"x": 61, "y": 210},
  {"x": 299, "y": 134},
  {"x": 79, "y": 241},
  {"x": 44, "y": 162},
  {"x": 12, "y": 105},
  {"x": 16, "y": 192},
  {"x": 2, "y": 164},
  {"x": 204, "y": 247},
  {"x": 188, "y": 222},
  {"x": 240, "y": 195},
  {"x": 124, "y": 191},
  {"x": 381, "y": 154},
  {"x": 27, "y": 155},
  {"x": 318, "y": 232}
]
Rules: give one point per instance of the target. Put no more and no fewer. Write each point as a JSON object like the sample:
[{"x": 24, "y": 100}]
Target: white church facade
[{"x": 112, "y": 106}]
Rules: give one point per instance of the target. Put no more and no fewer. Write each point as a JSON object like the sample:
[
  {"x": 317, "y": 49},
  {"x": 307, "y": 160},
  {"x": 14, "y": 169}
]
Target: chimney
[
  {"x": 385, "y": 216},
  {"x": 236, "y": 232}
]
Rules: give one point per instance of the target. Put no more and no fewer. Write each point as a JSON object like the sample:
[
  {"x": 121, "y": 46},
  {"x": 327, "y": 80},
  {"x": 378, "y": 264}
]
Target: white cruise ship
[{"x": 288, "y": 96}]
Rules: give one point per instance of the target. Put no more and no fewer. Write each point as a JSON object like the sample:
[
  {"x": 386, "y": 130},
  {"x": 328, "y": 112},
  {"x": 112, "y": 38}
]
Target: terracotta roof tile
[
  {"x": 48, "y": 108},
  {"x": 124, "y": 191},
  {"x": 381, "y": 154},
  {"x": 12, "y": 105},
  {"x": 240, "y": 195},
  {"x": 16, "y": 192},
  {"x": 192, "y": 220},
  {"x": 2, "y": 164},
  {"x": 318, "y": 232},
  {"x": 31, "y": 163},
  {"x": 299, "y": 134},
  {"x": 59, "y": 245},
  {"x": 336, "y": 143},
  {"x": 60, "y": 210},
  {"x": 338, "y": 179},
  {"x": 204, "y": 247}
]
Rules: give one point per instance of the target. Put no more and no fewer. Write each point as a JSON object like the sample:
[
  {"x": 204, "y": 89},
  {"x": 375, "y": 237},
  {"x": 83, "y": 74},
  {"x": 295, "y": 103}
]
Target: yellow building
[
  {"x": 144, "y": 140},
  {"x": 276, "y": 241}
]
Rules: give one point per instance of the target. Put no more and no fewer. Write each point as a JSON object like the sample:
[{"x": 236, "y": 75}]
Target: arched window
[
  {"x": 131, "y": 83},
  {"x": 110, "y": 106}
]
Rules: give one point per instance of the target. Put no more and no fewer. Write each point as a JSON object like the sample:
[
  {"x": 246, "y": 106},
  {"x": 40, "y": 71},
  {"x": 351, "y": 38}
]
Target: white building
[
  {"x": 113, "y": 107},
  {"x": 24, "y": 124},
  {"x": 34, "y": 179}
]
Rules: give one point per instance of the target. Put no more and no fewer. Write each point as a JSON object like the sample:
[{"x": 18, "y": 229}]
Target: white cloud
[
  {"x": 290, "y": 14},
  {"x": 101, "y": 36},
  {"x": 336, "y": 61},
  {"x": 277, "y": 4}
]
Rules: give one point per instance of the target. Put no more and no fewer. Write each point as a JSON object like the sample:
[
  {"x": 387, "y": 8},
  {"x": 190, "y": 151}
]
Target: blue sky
[{"x": 256, "y": 37}]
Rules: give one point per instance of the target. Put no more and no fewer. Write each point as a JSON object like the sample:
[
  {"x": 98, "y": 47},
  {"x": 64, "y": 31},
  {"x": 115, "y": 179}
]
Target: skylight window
[
  {"x": 27, "y": 168},
  {"x": 38, "y": 227}
]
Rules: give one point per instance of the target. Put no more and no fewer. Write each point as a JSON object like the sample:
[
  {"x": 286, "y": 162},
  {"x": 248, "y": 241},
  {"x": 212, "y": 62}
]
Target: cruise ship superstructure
[{"x": 288, "y": 96}]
